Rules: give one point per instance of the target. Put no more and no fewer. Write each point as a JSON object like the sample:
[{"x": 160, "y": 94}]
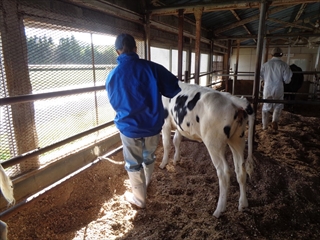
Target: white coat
[{"x": 275, "y": 72}]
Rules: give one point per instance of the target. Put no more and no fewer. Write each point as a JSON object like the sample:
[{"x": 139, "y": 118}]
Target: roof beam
[
  {"x": 239, "y": 19},
  {"x": 244, "y": 26},
  {"x": 220, "y": 6},
  {"x": 173, "y": 29},
  {"x": 207, "y": 7},
  {"x": 110, "y": 9},
  {"x": 247, "y": 20},
  {"x": 302, "y": 7},
  {"x": 285, "y": 35},
  {"x": 287, "y": 24}
]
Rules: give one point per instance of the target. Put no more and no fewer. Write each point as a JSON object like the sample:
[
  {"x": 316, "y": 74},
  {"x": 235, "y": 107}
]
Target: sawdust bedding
[{"x": 283, "y": 194}]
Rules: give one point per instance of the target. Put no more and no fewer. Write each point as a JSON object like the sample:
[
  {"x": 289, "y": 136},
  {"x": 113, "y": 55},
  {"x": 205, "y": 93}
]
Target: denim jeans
[{"x": 139, "y": 150}]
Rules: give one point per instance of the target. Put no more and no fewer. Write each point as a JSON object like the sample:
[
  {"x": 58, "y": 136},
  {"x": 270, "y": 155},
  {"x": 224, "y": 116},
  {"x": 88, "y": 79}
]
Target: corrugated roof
[
  {"x": 286, "y": 20},
  {"x": 238, "y": 20}
]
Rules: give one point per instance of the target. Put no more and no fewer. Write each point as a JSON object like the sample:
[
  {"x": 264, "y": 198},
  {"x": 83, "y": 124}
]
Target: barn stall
[
  {"x": 85, "y": 200},
  {"x": 283, "y": 195}
]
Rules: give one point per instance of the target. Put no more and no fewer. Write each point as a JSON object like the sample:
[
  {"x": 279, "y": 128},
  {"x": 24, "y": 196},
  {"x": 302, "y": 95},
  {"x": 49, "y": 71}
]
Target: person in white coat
[{"x": 274, "y": 73}]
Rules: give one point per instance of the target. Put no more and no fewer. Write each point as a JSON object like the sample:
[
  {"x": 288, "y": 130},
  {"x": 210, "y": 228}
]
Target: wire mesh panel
[
  {"x": 17, "y": 120},
  {"x": 6, "y": 134},
  {"x": 217, "y": 66},
  {"x": 56, "y": 59},
  {"x": 60, "y": 58}
]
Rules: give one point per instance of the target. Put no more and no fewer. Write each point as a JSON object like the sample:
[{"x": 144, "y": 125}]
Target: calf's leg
[
  {"x": 176, "y": 142},
  {"x": 224, "y": 183},
  {"x": 237, "y": 146},
  {"x": 217, "y": 154},
  {"x": 166, "y": 142}
]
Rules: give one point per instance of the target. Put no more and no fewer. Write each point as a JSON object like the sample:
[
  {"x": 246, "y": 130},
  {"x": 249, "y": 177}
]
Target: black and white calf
[{"x": 217, "y": 119}]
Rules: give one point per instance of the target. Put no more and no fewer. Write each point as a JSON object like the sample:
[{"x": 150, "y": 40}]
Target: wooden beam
[
  {"x": 285, "y": 35},
  {"x": 287, "y": 24},
  {"x": 247, "y": 20},
  {"x": 302, "y": 7},
  {"x": 172, "y": 29},
  {"x": 244, "y": 26},
  {"x": 207, "y": 7},
  {"x": 214, "y": 6},
  {"x": 110, "y": 9}
]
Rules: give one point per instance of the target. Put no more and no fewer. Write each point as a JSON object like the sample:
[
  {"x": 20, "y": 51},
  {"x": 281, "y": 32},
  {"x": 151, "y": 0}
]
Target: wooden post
[
  {"x": 147, "y": 54},
  {"x": 227, "y": 66},
  {"x": 18, "y": 83},
  {"x": 236, "y": 68},
  {"x": 186, "y": 76},
  {"x": 209, "y": 77},
  {"x": 189, "y": 54},
  {"x": 180, "y": 43},
  {"x": 197, "y": 14},
  {"x": 256, "y": 83}
]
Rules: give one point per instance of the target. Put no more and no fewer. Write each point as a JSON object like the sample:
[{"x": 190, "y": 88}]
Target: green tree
[
  {"x": 68, "y": 51},
  {"x": 40, "y": 50}
]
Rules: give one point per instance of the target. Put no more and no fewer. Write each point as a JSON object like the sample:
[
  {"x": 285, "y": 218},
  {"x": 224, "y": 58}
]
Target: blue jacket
[{"x": 134, "y": 89}]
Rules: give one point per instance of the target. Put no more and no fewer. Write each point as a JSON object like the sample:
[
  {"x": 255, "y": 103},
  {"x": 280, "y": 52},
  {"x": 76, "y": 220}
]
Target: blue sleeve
[
  {"x": 110, "y": 88},
  {"x": 167, "y": 82}
]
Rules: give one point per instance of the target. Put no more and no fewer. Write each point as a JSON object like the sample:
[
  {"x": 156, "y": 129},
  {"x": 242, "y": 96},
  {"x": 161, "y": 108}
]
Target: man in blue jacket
[{"x": 134, "y": 89}]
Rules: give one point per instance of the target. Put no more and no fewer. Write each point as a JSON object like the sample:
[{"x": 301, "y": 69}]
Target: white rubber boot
[
  {"x": 138, "y": 186},
  {"x": 265, "y": 119},
  {"x": 148, "y": 170},
  {"x": 275, "y": 118},
  {"x": 3, "y": 230}
]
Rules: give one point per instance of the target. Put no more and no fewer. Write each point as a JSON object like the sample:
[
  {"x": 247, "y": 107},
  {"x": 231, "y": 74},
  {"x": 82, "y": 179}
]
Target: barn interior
[{"x": 56, "y": 120}]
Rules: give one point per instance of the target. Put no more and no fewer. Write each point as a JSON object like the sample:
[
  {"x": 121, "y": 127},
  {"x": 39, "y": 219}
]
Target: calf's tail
[
  {"x": 6, "y": 186},
  {"x": 244, "y": 104}
]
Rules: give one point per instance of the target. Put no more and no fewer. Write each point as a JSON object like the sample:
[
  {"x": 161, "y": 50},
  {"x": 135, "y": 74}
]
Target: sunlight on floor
[{"x": 107, "y": 225}]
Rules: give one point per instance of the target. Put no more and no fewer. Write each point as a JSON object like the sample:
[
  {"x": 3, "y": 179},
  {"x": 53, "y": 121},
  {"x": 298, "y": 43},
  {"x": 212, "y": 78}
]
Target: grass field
[
  {"x": 49, "y": 78},
  {"x": 61, "y": 117}
]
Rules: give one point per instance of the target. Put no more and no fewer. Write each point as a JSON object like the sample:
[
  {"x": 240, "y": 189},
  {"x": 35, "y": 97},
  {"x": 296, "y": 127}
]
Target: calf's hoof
[
  {"x": 243, "y": 205},
  {"x": 216, "y": 214},
  {"x": 162, "y": 165}
]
